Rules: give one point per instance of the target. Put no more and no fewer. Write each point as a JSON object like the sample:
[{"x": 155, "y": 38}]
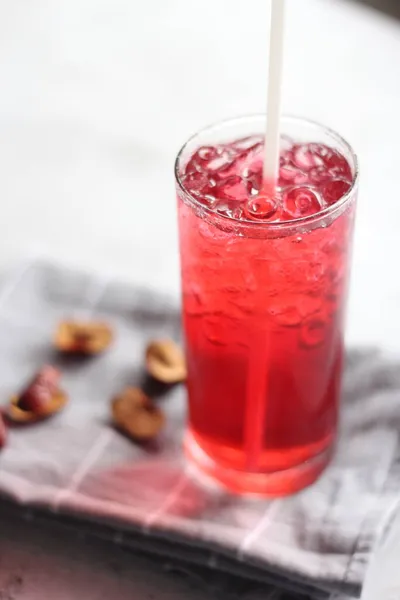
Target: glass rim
[{"x": 326, "y": 212}]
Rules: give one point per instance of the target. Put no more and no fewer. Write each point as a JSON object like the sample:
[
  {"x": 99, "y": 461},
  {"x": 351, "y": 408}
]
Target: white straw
[{"x": 271, "y": 157}]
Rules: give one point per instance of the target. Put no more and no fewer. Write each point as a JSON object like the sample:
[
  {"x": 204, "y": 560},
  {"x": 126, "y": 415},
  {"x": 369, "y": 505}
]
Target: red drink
[{"x": 264, "y": 287}]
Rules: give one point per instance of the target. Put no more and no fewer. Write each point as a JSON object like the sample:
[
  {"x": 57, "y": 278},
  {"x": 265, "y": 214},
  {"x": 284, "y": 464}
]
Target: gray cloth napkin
[{"x": 78, "y": 470}]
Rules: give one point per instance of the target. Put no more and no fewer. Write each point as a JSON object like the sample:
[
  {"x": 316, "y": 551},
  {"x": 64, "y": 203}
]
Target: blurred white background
[{"x": 98, "y": 95}]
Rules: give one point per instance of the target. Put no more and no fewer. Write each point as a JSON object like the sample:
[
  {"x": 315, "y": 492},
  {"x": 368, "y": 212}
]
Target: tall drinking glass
[{"x": 264, "y": 297}]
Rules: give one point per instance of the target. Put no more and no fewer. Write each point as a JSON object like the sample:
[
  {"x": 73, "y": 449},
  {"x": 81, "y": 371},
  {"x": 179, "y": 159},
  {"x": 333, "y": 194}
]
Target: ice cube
[
  {"x": 193, "y": 166},
  {"x": 332, "y": 191},
  {"x": 261, "y": 207},
  {"x": 301, "y": 202},
  {"x": 231, "y": 188},
  {"x": 319, "y": 175},
  {"x": 253, "y": 181},
  {"x": 199, "y": 184},
  {"x": 206, "y": 153},
  {"x": 221, "y": 330},
  {"x": 203, "y": 157},
  {"x": 290, "y": 174},
  {"x": 221, "y": 167},
  {"x": 285, "y": 314},
  {"x": 337, "y": 164},
  {"x": 308, "y": 156},
  {"x": 313, "y": 332},
  {"x": 229, "y": 208}
]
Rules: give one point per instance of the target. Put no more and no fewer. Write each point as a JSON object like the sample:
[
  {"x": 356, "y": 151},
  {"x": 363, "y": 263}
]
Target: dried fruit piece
[
  {"x": 18, "y": 415},
  {"x": 40, "y": 390},
  {"x": 80, "y": 337},
  {"x": 165, "y": 361},
  {"x": 135, "y": 414},
  {"x": 3, "y": 432},
  {"x": 41, "y": 398}
]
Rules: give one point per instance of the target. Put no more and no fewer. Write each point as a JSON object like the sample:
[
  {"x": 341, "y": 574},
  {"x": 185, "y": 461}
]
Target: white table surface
[{"x": 97, "y": 96}]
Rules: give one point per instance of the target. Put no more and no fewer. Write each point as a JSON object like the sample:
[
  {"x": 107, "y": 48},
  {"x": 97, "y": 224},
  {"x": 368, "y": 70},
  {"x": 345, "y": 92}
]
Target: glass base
[{"x": 280, "y": 483}]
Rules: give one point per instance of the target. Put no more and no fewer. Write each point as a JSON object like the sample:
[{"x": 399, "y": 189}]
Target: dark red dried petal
[{"x": 38, "y": 394}]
